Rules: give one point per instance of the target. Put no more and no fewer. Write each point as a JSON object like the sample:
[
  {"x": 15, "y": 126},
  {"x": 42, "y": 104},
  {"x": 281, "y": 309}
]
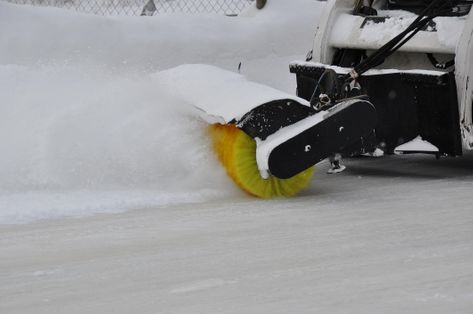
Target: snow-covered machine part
[
  {"x": 302, "y": 144},
  {"x": 262, "y": 136},
  {"x": 340, "y": 28},
  {"x": 246, "y": 104},
  {"x": 420, "y": 85},
  {"x": 231, "y": 97},
  {"x": 240, "y": 113},
  {"x": 464, "y": 78},
  {"x": 381, "y": 74},
  {"x": 369, "y": 33}
]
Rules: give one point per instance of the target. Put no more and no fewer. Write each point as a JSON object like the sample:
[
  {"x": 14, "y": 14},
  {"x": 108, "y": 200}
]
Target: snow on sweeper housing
[{"x": 383, "y": 74}]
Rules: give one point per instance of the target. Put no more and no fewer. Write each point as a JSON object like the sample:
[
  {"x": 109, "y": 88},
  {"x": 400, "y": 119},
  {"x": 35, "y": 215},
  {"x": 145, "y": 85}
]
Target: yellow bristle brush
[{"x": 237, "y": 152}]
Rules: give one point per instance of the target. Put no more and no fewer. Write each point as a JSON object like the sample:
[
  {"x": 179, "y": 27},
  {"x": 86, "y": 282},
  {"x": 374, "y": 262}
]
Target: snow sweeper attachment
[
  {"x": 267, "y": 140},
  {"x": 271, "y": 150},
  {"x": 383, "y": 75}
]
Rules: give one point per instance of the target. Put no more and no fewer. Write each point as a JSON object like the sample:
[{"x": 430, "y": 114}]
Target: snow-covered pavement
[{"x": 390, "y": 235}]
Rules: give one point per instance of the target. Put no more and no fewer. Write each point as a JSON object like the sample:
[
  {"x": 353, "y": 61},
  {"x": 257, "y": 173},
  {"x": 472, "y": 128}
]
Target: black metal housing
[
  {"x": 407, "y": 104},
  {"x": 268, "y": 118},
  {"x": 454, "y": 8},
  {"x": 343, "y": 127}
]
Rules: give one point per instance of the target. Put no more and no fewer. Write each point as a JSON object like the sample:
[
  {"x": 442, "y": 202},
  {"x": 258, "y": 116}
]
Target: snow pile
[{"x": 86, "y": 127}]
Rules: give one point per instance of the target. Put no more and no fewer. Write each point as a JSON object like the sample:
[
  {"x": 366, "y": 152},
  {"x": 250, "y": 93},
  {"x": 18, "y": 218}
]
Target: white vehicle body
[{"x": 338, "y": 28}]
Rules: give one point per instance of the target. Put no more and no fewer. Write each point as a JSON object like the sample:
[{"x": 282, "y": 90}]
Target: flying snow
[{"x": 86, "y": 127}]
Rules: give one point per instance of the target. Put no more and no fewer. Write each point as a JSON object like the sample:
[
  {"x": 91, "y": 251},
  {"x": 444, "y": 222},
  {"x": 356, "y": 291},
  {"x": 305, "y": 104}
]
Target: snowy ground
[
  {"x": 111, "y": 201},
  {"x": 387, "y": 236}
]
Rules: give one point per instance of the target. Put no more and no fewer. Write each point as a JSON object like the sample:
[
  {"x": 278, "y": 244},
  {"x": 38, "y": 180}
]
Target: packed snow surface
[{"x": 388, "y": 235}]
